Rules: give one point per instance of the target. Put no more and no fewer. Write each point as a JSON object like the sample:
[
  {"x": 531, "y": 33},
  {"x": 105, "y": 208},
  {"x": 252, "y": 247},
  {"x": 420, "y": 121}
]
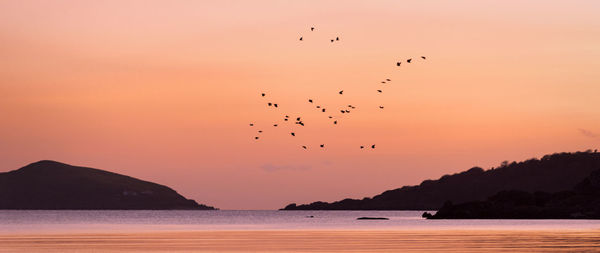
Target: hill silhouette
[
  {"x": 53, "y": 185},
  {"x": 551, "y": 173},
  {"x": 582, "y": 202}
]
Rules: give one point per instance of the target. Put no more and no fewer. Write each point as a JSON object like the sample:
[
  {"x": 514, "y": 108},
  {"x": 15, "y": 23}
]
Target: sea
[{"x": 284, "y": 231}]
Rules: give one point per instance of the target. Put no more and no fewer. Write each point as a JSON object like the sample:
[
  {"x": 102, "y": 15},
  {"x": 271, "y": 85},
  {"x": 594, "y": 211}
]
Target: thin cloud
[
  {"x": 271, "y": 167},
  {"x": 587, "y": 133}
]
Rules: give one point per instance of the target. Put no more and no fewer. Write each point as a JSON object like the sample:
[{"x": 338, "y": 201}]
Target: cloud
[
  {"x": 587, "y": 133},
  {"x": 271, "y": 168}
]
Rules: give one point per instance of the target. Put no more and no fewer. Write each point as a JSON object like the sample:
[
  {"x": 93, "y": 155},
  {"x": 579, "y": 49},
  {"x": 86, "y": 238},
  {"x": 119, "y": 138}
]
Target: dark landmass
[
  {"x": 583, "y": 202},
  {"x": 552, "y": 173},
  {"x": 372, "y": 218},
  {"x": 50, "y": 185}
]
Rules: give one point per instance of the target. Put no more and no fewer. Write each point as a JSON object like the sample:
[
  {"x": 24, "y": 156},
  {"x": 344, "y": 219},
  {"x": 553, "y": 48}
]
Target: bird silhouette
[
  {"x": 270, "y": 104},
  {"x": 341, "y": 92},
  {"x": 335, "y": 122},
  {"x": 398, "y": 64},
  {"x": 409, "y": 60},
  {"x": 298, "y": 119},
  {"x": 322, "y": 145},
  {"x": 259, "y": 131},
  {"x": 262, "y": 94},
  {"x": 323, "y": 110},
  {"x": 256, "y": 138},
  {"x": 347, "y": 111},
  {"x": 381, "y": 107},
  {"x": 251, "y": 124},
  {"x": 423, "y": 57},
  {"x": 373, "y": 146},
  {"x": 331, "y": 41},
  {"x": 293, "y": 134},
  {"x": 304, "y": 147},
  {"x": 382, "y": 81},
  {"x": 285, "y": 119},
  {"x": 361, "y": 147},
  {"x": 342, "y": 111},
  {"x": 331, "y": 117},
  {"x": 337, "y": 38},
  {"x": 275, "y": 125},
  {"x": 318, "y": 106},
  {"x": 300, "y": 38},
  {"x": 310, "y": 101},
  {"x": 275, "y": 105},
  {"x": 388, "y": 79},
  {"x": 380, "y": 91},
  {"x": 312, "y": 29},
  {"x": 287, "y": 116}
]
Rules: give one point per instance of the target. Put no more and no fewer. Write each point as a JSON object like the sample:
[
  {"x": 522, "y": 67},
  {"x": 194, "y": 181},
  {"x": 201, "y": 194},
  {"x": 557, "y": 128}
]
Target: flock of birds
[{"x": 344, "y": 110}]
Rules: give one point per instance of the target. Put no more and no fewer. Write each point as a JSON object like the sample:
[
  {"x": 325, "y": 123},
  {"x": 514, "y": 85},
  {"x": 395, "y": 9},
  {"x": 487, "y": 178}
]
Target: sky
[{"x": 165, "y": 91}]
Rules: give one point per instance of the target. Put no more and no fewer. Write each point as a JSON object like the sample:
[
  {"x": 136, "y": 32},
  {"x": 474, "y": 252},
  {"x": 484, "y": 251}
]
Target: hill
[
  {"x": 551, "y": 173},
  {"x": 582, "y": 202},
  {"x": 54, "y": 185}
]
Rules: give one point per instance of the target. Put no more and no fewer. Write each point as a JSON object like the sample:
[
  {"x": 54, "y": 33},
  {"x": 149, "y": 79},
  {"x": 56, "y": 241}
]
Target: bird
[
  {"x": 275, "y": 105},
  {"x": 298, "y": 119},
  {"x": 285, "y": 119},
  {"x": 270, "y": 104},
  {"x": 251, "y": 124},
  {"x": 300, "y": 38},
  {"x": 342, "y": 111},
  {"x": 275, "y": 125},
  {"x": 409, "y": 60},
  {"x": 341, "y": 92},
  {"x": 361, "y": 147},
  {"x": 322, "y": 145},
  {"x": 380, "y": 107},
  {"x": 380, "y": 91},
  {"x": 293, "y": 134},
  {"x": 335, "y": 122},
  {"x": 423, "y": 57},
  {"x": 318, "y": 106},
  {"x": 262, "y": 94},
  {"x": 347, "y": 111},
  {"x": 287, "y": 116},
  {"x": 259, "y": 131},
  {"x": 337, "y": 38},
  {"x": 256, "y": 138},
  {"x": 312, "y": 29},
  {"x": 310, "y": 101},
  {"x": 373, "y": 146},
  {"x": 331, "y": 117},
  {"x": 398, "y": 64},
  {"x": 388, "y": 79},
  {"x": 331, "y": 41},
  {"x": 304, "y": 147},
  {"x": 323, "y": 110}
]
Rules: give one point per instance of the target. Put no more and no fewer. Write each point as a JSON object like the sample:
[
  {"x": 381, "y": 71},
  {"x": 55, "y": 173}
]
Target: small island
[{"x": 50, "y": 185}]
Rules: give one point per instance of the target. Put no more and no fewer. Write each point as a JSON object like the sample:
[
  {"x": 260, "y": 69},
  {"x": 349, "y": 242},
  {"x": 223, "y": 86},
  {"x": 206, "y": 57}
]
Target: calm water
[{"x": 12, "y": 222}]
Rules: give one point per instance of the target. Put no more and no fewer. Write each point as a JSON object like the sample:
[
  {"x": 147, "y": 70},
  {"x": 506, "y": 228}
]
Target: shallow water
[{"x": 283, "y": 231}]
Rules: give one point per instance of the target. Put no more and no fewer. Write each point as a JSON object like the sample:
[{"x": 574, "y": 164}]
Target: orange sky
[{"x": 164, "y": 91}]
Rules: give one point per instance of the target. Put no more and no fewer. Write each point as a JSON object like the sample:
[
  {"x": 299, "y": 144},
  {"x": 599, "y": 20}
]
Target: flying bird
[
  {"x": 409, "y": 60},
  {"x": 335, "y": 122},
  {"x": 423, "y": 57},
  {"x": 318, "y": 106},
  {"x": 251, "y": 124},
  {"x": 275, "y": 125},
  {"x": 287, "y": 116},
  {"x": 342, "y": 111},
  {"x": 331, "y": 41},
  {"x": 337, "y": 38},
  {"x": 380, "y": 107},
  {"x": 341, "y": 92},
  {"x": 262, "y": 94},
  {"x": 259, "y": 131},
  {"x": 304, "y": 147},
  {"x": 298, "y": 119},
  {"x": 256, "y": 138},
  {"x": 373, "y": 146},
  {"x": 310, "y": 101},
  {"x": 347, "y": 111},
  {"x": 380, "y": 91},
  {"x": 285, "y": 119},
  {"x": 293, "y": 134},
  {"x": 323, "y": 110},
  {"x": 398, "y": 64},
  {"x": 322, "y": 145},
  {"x": 388, "y": 79},
  {"x": 270, "y": 104},
  {"x": 300, "y": 38},
  {"x": 331, "y": 117},
  {"x": 275, "y": 105},
  {"x": 361, "y": 147},
  {"x": 312, "y": 29}
]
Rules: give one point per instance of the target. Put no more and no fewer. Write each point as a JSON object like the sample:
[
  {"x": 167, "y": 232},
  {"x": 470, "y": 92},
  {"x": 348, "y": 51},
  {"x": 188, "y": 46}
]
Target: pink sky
[{"x": 164, "y": 91}]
